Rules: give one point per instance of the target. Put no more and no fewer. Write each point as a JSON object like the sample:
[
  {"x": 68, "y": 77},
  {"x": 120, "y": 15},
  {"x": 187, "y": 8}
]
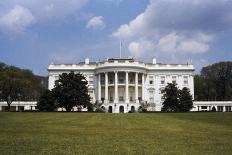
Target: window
[
  {"x": 173, "y": 79},
  {"x": 102, "y": 80},
  {"x": 162, "y": 81},
  {"x": 131, "y": 79},
  {"x": 220, "y": 108},
  {"x": 150, "y": 80},
  {"x": 151, "y": 96},
  {"x": 111, "y": 98},
  {"x": 90, "y": 91},
  {"x": 121, "y": 80},
  {"x": 204, "y": 107},
  {"x": 228, "y": 108},
  {"x": 121, "y": 98},
  {"x": 151, "y": 100},
  {"x": 91, "y": 79},
  {"x": 160, "y": 90},
  {"x": 185, "y": 80},
  {"x": 57, "y": 77},
  {"x": 111, "y": 81}
]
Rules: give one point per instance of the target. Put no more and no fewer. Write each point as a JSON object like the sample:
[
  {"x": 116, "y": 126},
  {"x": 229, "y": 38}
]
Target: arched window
[
  {"x": 121, "y": 109},
  {"x": 132, "y": 108},
  {"x": 110, "y": 110}
]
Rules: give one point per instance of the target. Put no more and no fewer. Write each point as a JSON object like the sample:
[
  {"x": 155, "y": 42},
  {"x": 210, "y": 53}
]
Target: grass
[{"x": 97, "y": 133}]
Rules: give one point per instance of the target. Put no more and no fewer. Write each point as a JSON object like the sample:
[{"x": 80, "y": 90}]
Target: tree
[
  {"x": 47, "y": 101},
  {"x": 71, "y": 90},
  {"x": 19, "y": 84},
  {"x": 185, "y": 100},
  {"x": 214, "y": 83},
  {"x": 12, "y": 84},
  {"x": 170, "y": 96}
]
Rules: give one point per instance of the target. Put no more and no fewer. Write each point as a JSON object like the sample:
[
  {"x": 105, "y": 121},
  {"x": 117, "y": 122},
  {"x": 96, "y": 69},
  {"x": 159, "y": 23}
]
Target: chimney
[
  {"x": 86, "y": 61},
  {"x": 153, "y": 60}
]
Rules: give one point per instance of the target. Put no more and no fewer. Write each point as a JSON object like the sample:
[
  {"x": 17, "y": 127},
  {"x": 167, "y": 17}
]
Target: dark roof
[{"x": 121, "y": 59}]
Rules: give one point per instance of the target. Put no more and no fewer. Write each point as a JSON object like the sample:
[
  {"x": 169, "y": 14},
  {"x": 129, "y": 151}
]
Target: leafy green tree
[
  {"x": 170, "y": 96},
  {"x": 200, "y": 92},
  {"x": 12, "y": 85},
  {"x": 19, "y": 84},
  {"x": 47, "y": 101},
  {"x": 185, "y": 100},
  {"x": 214, "y": 83},
  {"x": 71, "y": 90}
]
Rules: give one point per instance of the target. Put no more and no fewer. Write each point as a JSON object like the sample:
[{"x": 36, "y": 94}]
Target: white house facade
[{"x": 122, "y": 84}]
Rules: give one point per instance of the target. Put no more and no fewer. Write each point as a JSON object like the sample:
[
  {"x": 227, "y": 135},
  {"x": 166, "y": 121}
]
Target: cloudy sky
[{"x": 34, "y": 33}]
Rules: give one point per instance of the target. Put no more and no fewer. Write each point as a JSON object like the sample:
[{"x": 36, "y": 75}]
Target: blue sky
[{"x": 36, "y": 33}]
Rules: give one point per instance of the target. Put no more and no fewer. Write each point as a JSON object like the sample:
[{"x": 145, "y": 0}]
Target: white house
[{"x": 121, "y": 84}]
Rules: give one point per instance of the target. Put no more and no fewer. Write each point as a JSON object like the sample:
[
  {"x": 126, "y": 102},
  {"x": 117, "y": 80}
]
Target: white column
[
  {"x": 99, "y": 87},
  {"x": 143, "y": 88},
  {"x": 106, "y": 87},
  {"x": 0, "y": 108},
  {"x": 136, "y": 88},
  {"x": 191, "y": 84},
  {"x": 115, "y": 87},
  {"x": 127, "y": 88}
]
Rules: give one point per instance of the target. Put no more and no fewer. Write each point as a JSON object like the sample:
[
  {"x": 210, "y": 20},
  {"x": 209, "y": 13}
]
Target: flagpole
[{"x": 120, "y": 49}]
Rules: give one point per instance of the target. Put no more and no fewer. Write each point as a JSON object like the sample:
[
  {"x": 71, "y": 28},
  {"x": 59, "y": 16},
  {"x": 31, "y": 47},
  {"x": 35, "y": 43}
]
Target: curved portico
[
  {"x": 122, "y": 83},
  {"x": 120, "y": 87}
]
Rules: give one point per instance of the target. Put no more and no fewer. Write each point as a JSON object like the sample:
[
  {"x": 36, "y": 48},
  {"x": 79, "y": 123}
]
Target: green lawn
[{"x": 98, "y": 133}]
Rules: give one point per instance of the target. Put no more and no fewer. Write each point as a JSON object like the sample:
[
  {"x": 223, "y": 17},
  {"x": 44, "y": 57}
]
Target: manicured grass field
[{"x": 98, "y": 133}]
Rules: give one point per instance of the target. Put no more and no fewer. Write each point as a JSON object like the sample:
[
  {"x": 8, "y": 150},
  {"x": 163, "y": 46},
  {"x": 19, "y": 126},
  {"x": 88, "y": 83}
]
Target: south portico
[{"x": 120, "y": 89}]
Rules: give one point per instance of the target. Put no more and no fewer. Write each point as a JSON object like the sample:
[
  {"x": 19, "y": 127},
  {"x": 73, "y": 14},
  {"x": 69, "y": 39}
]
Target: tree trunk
[{"x": 8, "y": 106}]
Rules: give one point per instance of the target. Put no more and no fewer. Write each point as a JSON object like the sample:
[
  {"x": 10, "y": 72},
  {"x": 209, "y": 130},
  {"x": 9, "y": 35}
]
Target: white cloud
[
  {"x": 141, "y": 47},
  {"x": 16, "y": 20},
  {"x": 25, "y": 12},
  {"x": 130, "y": 30},
  {"x": 178, "y": 26},
  {"x": 96, "y": 22},
  {"x": 198, "y": 43}
]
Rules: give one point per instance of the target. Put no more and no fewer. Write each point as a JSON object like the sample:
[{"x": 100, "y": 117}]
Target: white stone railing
[
  {"x": 27, "y": 105},
  {"x": 208, "y": 105}
]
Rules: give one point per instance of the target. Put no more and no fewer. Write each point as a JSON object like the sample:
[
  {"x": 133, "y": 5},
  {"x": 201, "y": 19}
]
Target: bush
[
  {"x": 46, "y": 101},
  {"x": 90, "y": 108},
  {"x": 99, "y": 110}
]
